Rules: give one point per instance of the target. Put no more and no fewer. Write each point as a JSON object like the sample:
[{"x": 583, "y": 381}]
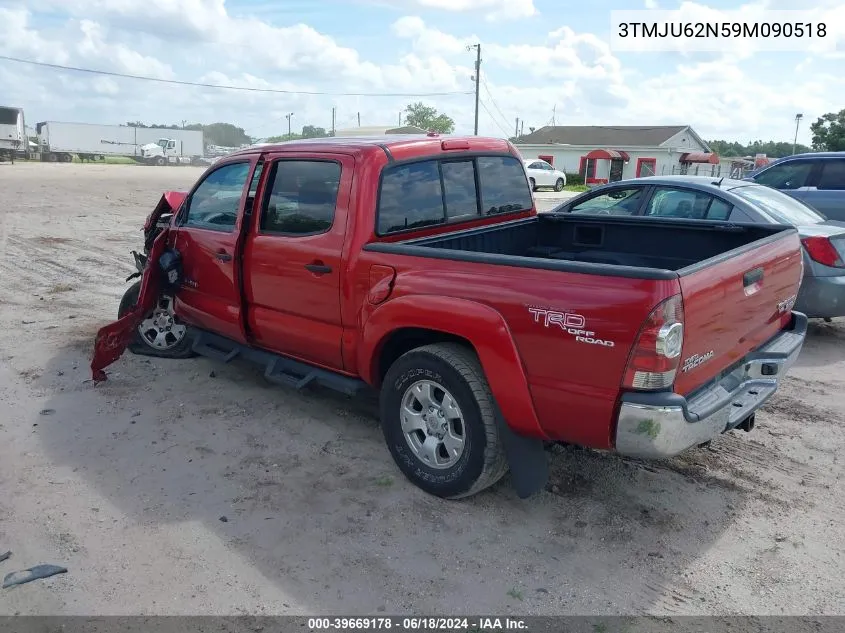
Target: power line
[
  {"x": 492, "y": 100},
  {"x": 501, "y": 129},
  {"x": 227, "y": 87}
]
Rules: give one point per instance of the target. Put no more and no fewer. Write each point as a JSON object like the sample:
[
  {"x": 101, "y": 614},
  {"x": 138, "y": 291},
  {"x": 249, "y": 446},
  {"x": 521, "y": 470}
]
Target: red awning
[
  {"x": 607, "y": 154},
  {"x": 700, "y": 157}
]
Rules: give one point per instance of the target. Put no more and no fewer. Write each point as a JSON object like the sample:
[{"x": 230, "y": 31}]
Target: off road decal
[{"x": 571, "y": 323}]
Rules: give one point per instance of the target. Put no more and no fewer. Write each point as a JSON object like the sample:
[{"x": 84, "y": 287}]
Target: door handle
[
  {"x": 223, "y": 256},
  {"x": 318, "y": 268},
  {"x": 752, "y": 277}
]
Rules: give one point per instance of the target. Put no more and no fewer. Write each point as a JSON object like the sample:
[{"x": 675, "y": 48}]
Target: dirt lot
[{"x": 127, "y": 483}]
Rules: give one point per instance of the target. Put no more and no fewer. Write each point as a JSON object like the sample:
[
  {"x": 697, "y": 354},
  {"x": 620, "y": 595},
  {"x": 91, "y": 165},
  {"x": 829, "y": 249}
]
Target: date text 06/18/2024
[{"x": 386, "y": 623}]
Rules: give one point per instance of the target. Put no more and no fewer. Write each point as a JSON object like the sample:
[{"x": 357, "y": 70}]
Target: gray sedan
[{"x": 822, "y": 293}]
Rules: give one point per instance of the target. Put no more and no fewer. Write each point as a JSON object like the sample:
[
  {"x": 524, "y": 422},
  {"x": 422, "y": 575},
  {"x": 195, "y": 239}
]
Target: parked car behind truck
[
  {"x": 419, "y": 267},
  {"x": 822, "y": 293}
]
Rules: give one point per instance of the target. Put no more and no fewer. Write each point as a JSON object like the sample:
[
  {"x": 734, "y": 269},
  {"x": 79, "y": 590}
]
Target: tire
[
  {"x": 141, "y": 344},
  {"x": 560, "y": 184},
  {"x": 533, "y": 184},
  {"x": 52, "y": 157},
  {"x": 160, "y": 161},
  {"x": 67, "y": 158},
  {"x": 458, "y": 373}
]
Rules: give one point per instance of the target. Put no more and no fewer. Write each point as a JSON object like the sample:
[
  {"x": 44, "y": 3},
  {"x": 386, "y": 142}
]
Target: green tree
[
  {"x": 772, "y": 149},
  {"x": 310, "y": 131},
  {"x": 428, "y": 118},
  {"x": 829, "y": 132}
]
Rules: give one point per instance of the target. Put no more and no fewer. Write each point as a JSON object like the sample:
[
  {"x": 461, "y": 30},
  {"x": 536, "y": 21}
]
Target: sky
[{"x": 543, "y": 61}]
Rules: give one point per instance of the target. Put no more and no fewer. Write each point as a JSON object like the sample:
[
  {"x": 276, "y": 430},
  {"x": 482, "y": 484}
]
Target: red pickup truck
[{"x": 419, "y": 267}]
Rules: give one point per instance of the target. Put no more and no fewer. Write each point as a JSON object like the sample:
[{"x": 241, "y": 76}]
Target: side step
[{"x": 277, "y": 369}]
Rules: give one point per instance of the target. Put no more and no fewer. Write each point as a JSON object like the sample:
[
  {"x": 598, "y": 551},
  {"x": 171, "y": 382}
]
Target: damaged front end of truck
[{"x": 159, "y": 268}]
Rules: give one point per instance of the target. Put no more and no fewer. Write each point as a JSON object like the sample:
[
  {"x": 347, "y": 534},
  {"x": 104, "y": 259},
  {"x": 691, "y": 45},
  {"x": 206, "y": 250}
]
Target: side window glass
[
  {"x": 302, "y": 197},
  {"x": 215, "y": 203},
  {"x": 411, "y": 197},
  {"x": 616, "y": 202},
  {"x": 833, "y": 175},
  {"x": 719, "y": 210},
  {"x": 504, "y": 187},
  {"x": 459, "y": 188},
  {"x": 792, "y": 175},
  {"x": 682, "y": 203}
]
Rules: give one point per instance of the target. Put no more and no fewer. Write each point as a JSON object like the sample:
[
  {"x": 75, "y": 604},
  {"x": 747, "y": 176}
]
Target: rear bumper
[
  {"x": 657, "y": 425},
  {"x": 822, "y": 297}
]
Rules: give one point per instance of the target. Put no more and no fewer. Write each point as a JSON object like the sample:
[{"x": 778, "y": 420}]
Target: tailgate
[{"x": 734, "y": 303}]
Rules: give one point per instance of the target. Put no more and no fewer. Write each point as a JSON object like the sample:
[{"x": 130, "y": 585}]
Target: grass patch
[
  {"x": 384, "y": 481},
  {"x": 60, "y": 288},
  {"x": 108, "y": 160},
  {"x": 578, "y": 188},
  {"x": 515, "y": 594}
]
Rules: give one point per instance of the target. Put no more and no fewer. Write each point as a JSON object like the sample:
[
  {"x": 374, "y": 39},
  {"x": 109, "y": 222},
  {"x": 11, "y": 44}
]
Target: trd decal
[
  {"x": 569, "y": 322},
  {"x": 696, "y": 360},
  {"x": 787, "y": 304}
]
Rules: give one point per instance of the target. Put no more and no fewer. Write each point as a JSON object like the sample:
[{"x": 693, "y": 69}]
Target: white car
[{"x": 541, "y": 174}]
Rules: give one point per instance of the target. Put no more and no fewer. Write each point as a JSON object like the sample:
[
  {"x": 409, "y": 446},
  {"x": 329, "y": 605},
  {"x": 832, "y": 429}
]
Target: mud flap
[
  {"x": 113, "y": 339},
  {"x": 527, "y": 459}
]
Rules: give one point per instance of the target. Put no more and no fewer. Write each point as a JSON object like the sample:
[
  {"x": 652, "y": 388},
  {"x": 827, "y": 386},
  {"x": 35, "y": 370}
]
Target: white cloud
[
  {"x": 573, "y": 72},
  {"x": 493, "y": 10}
]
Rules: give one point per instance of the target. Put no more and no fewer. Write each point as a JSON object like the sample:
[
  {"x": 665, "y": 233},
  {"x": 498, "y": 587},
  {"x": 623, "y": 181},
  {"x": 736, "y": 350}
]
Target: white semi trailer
[
  {"x": 13, "y": 140},
  {"x": 60, "y": 141}
]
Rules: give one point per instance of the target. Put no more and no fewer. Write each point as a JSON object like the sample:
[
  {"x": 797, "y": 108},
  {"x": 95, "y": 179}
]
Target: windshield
[{"x": 777, "y": 205}]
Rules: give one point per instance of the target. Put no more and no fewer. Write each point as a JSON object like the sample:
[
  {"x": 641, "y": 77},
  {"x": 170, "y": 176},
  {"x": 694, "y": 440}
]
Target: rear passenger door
[{"x": 293, "y": 271}]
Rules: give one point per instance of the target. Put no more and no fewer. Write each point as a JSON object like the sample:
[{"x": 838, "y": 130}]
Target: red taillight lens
[
  {"x": 821, "y": 250},
  {"x": 656, "y": 354}
]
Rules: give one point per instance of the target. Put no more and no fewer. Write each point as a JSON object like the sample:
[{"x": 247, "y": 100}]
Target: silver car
[{"x": 822, "y": 293}]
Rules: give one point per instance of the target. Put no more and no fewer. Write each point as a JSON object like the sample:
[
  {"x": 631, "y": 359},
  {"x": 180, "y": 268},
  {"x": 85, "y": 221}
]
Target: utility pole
[
  {"x": 521, "y": 128},
  {"x": 798, "y": 118},
  {"x": 359, "y": 119},
  {"x": 477, "y": 79},
  {"x": 516, "y": 132},
  {"x": 334, "y": 117},
  {"x": 554, "y": 115},
  {"x": 400, "y": 119},
  {"x": 289, "y": 117}
]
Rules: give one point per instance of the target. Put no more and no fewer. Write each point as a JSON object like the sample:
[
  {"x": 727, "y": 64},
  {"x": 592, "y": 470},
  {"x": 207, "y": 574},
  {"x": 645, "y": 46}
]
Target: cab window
[
  {"x": 215, "y": 203},
  {"x": 302, "y": 197}
]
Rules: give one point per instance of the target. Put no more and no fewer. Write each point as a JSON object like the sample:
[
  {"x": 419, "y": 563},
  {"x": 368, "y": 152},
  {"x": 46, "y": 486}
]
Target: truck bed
[{"x": 616, "y": 246}]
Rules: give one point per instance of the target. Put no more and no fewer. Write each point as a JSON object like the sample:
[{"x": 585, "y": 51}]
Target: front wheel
[
  {"x": 533, "y": 184},
  {"x": 560, "y": 184},
  {"x": 160, "y": 334},
  {"x": 160, "y": 161},
  {"x": 438, "y": 417}
]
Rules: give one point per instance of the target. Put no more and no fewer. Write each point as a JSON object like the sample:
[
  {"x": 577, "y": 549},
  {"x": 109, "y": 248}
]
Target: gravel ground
[{"x": 185, "y": 487}]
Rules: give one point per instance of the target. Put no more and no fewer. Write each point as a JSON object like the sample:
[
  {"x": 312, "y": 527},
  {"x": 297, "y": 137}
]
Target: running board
[{"x": 277, "y": 369}]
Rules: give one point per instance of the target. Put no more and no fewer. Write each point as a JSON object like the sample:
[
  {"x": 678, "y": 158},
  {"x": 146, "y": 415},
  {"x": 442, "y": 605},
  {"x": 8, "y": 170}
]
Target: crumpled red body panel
[{"x": 113, "y": 339}]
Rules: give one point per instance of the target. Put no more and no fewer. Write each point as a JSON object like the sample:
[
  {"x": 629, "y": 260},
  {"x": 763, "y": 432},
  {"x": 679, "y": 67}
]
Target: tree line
[{"x": 828, "y": 133}]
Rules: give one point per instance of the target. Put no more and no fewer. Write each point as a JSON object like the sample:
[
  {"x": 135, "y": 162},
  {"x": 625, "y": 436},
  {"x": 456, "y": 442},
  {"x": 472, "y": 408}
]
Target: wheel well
[{"x": 406, "y": 339}]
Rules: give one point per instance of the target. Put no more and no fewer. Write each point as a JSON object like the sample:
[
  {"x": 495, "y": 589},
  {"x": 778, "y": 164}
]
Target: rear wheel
[
  {"x": 439, "y": 421},
  {"x": 52, "y": 157},
  {"x": 160, "y": 334},
  {"x": 560, "y": 184}
]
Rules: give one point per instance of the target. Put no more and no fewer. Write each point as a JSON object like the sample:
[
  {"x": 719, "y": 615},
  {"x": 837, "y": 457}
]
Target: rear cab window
[{"x": 450, "y": 190}]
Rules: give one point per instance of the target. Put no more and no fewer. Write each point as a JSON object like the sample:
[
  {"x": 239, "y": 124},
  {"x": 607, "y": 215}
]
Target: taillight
[
  {"x": 821, "y": 250},
  {"x": 656, "y": 354}
]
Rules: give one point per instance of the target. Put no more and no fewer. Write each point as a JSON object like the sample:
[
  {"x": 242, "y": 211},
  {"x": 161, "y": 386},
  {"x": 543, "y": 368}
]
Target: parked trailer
[
  {"x": 13, "y": 140},
  {"x": 60, "y": 141}
]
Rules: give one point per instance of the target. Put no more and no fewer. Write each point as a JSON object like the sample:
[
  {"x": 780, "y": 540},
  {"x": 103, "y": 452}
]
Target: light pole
[
  {"x": 289, "y": 117},
  {"x": 798, "y": 118}
]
